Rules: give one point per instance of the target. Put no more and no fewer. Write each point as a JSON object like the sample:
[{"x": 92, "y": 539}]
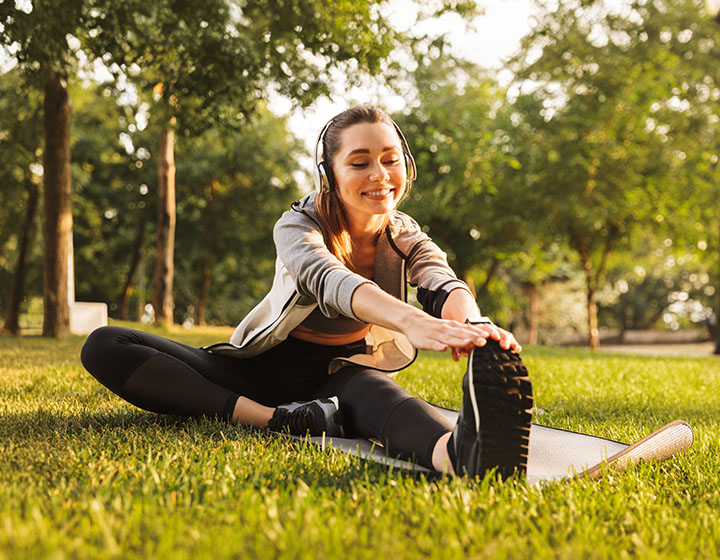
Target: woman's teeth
[{"x": 383, "y": 192}]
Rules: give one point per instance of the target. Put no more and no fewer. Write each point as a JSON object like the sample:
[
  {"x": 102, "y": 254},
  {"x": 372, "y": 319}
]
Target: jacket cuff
[
  {"x": 346, "y": 291},
  {"x": 433, "y": 301}
]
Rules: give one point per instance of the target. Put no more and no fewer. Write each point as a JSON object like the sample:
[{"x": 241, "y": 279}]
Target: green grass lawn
[{"x": 85, "y": 475}]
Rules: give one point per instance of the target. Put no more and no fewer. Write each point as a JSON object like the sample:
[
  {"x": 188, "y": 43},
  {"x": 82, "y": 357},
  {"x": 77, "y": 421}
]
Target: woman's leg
[
  {"x": 375, "y": 406},
  {"x": 165, "y": 376}
]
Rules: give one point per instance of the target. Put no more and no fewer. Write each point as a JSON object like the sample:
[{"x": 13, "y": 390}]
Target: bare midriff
[{"x": 328, "y": 339}]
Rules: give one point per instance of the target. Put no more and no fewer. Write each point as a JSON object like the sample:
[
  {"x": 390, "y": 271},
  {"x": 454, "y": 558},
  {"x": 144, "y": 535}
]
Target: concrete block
[{"x": 87, "y": 316}]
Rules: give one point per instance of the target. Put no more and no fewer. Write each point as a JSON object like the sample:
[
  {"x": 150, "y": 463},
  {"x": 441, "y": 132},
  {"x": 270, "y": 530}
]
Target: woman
[{"x": 335, "y": 323}]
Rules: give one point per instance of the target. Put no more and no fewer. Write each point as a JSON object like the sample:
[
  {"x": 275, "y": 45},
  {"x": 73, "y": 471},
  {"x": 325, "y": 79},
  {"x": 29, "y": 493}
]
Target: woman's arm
[{"x": 373, "y": 305}]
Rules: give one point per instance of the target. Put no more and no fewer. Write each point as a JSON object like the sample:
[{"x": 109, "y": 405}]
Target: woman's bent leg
[
  {"x": 375, "y": 406},
  {"x": 158, "y": 374}
]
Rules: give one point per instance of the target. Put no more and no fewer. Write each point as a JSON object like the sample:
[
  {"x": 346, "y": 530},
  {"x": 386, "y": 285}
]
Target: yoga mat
[{"x": 554, "y": 453}]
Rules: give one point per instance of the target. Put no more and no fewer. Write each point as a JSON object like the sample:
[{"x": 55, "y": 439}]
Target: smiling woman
[
  {"x": 336, "y": 322},
  {"x": 366, "y": 150}
]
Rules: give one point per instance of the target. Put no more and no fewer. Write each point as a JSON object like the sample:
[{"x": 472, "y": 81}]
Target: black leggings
[{"x": 165, "y": 376}]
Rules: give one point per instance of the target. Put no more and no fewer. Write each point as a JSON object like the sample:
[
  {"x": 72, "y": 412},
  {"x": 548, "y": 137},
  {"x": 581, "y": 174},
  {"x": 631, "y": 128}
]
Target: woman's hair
[{"x": 327, "y": 202}]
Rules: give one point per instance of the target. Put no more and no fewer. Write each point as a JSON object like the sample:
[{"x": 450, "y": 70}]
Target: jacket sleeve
[
  {"x": 428, "y": 269},
  {"x": 316, "y": 271}
]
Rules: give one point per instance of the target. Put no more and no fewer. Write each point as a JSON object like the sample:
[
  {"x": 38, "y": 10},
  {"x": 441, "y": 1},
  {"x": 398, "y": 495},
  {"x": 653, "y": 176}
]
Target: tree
[
  {"x": 113, "y": 175},
  {"x": 462, "y": 194},
  {"x": 40, "y": 39},
  {"x": 214, "y": 65},
  {"x": 20, "y": 131},
  {"x": 602, "y": 163},
  {"x": 663, "y": 288},
  {"x": 233, "y": 185},
  {"x": 693, "y": 217},
  {"x": 246, "y": 180}
]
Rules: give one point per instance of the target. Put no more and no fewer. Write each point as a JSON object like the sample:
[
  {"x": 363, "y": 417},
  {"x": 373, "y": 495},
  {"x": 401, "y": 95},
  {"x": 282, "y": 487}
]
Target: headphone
[{"x": 324, "y": 179}]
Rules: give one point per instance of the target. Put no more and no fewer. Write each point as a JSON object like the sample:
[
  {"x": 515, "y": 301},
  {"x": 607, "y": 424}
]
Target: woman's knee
[
  {"x": 112, "y": 353},
  {"x": 96, "y": 346}
]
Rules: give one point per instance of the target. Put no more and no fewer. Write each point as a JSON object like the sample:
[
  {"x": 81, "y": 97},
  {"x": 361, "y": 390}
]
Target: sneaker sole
[{"x": 501, "y": 402}]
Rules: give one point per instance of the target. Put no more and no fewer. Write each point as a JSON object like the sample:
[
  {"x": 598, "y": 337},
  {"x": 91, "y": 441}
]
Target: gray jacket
[{"x": 308, "y": 275}]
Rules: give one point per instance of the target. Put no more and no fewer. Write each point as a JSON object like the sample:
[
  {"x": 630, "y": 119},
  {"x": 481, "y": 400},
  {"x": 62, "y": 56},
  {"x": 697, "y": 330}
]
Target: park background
[
  {"x": 577, "y": 174},
  {"x": 572, "y": 182}
]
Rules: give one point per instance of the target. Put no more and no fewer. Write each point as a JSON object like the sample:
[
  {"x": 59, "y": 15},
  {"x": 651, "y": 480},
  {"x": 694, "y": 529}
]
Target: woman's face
[{"x": 369, "y": 170}]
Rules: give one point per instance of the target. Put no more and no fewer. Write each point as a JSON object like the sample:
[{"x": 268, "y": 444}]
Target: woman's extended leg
[
  {"x": 493, "y": 427},
  {"x": 375, "y": 406}
]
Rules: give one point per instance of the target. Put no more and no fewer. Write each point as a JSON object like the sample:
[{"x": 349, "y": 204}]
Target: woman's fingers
[
  {"x": 439, "y": 335},
  {"x": 503, "y": 337}
]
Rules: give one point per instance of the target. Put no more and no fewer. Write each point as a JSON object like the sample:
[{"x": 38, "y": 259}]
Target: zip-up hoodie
[{"x": 307, "y": 275}]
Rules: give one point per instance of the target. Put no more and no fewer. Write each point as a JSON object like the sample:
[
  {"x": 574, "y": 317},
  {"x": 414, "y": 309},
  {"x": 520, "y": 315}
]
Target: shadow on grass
[{"x": 58, "y": 430}]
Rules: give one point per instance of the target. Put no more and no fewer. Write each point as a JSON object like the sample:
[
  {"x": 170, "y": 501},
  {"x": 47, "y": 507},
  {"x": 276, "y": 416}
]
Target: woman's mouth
[{"x": 378, "y": 194}]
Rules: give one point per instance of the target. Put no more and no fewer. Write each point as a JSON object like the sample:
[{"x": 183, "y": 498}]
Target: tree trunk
[
  {"x": 141, "y": 288},
  {"x": 127, "y": 290},
  {"x": 483, "y": 290},
  {"x": 593, "y": 333},
  {"x": 58, "y": 208},
  {"x": 12, "y": 322},
  {"x": 531, "y": 291},
  {"x": 163, "y": 277},
  {"x": 202, "y": 303}
]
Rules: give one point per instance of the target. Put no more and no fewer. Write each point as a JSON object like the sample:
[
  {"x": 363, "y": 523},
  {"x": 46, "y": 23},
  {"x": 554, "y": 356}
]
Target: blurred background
[{"x": 567, "y": 154}]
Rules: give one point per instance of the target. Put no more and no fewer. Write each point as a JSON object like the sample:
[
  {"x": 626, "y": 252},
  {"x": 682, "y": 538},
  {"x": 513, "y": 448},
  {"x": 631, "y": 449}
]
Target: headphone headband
[{"x": 324, "y": 180}]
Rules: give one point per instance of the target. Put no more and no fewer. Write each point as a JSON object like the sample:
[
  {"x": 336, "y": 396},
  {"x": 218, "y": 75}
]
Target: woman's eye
[
  {"x": 392, "y": 162},
  {"x": 358, "y": 165}
]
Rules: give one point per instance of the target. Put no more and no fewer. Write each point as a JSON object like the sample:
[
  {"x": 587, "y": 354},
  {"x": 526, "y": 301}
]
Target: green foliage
[
  {"x": 20, "y": 135},
  {"x": 232, "y": 187},
  {"x": 607, "y": 122},
  {"x": 86, "y": 475},
  {"x": 40, "y": 34},
  {"x": 461, "y": 151},
  {"x": 111, "y": 187},
  {"x": 657, "y": 285},
  {"x": 213, "y": 66}
]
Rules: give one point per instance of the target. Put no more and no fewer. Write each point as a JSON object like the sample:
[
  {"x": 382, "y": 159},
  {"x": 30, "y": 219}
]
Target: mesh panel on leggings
[{"x": 166, "y": 385}]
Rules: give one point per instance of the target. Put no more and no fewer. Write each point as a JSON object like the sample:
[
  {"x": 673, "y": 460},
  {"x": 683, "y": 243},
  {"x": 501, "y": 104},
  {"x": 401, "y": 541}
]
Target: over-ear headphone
[{"x": 325, "y": 180}]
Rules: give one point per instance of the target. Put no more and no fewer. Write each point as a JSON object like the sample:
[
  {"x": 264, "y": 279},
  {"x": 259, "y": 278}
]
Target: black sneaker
[
  {"x": 493, "y": 428},
  {"x": 308, "y": 418}
]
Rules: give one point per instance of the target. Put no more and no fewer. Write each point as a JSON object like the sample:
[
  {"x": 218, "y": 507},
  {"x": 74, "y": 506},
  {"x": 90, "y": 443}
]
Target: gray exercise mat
[{"x": 554, "y": 453}]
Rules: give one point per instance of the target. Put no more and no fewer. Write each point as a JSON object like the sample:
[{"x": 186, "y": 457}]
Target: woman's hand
[
  {"x": 460, "y": 305},
  {"x": 424, "y": 331},
  {"x": 488, "y": 331},
  {"x": 429, "y": 333}
]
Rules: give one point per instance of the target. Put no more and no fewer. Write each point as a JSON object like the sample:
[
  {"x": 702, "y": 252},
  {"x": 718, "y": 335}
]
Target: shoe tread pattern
[{"x": 505, "y": 400}]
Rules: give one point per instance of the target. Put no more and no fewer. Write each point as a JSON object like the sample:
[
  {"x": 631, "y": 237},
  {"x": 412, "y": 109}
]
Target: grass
[{"x": 85, "y": 475}]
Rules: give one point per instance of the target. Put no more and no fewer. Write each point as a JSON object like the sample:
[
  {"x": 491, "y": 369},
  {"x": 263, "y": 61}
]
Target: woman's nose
[{"x": 378, "y": 173}]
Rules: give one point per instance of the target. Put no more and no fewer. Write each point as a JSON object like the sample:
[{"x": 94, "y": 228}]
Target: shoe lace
[{"x": 297, "y": 422}]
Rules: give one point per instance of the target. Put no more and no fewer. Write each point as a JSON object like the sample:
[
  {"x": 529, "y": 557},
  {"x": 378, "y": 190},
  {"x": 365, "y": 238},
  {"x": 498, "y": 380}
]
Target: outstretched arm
[{"x": 373, "y": 305}]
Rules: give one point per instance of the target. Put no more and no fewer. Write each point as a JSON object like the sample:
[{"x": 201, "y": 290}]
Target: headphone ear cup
[
  {"x": 410, "y": 168},
  {"x": 327, "y": 182}
]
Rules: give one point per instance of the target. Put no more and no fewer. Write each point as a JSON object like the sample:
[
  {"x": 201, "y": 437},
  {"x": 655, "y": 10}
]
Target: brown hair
[{"x": 327, "y": 202}]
